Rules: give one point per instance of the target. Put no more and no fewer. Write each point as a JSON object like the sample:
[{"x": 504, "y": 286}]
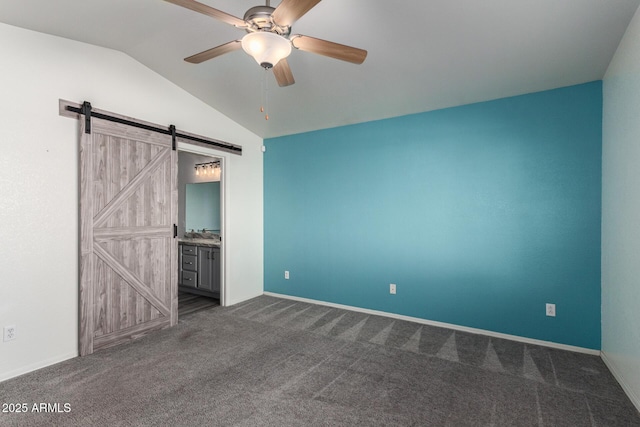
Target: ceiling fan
[{"x": 268, "y": 39}]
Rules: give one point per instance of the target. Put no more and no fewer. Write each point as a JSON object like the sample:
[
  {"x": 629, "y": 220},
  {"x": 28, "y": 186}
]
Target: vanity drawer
[
  {"x": 189, "y": 250},
  {"x": 189, "y": 262},
  {"x": 189, "y": 278}
]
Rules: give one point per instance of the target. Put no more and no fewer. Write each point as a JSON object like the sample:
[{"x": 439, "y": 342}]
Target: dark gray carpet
[{"x": 275, "y": 362}]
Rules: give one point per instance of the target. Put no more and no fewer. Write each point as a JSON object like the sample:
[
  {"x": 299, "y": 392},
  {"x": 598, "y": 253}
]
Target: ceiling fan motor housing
[{"x": 259, "y": 18}]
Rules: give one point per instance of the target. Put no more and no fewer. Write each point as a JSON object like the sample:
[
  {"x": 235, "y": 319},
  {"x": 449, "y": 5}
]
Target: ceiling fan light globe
[{"x": 266, "y": 48}]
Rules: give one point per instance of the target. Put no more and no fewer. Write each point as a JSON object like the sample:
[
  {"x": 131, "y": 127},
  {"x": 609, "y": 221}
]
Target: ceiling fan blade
[
  {"x": 289, "y": 11},
  {"x": 209, "y": 11},
  {"x": 330, "y": 49},
  {"x": 213, "y": 52},
  {"x": 283, "y": 74}
]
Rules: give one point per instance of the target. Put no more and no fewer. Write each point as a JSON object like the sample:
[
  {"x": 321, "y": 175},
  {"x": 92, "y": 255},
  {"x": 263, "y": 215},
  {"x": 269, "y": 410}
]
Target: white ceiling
[{"x": 423, "y": 54}]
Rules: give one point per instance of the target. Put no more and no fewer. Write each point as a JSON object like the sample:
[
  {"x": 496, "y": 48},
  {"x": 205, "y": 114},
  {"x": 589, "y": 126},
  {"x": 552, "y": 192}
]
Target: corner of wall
[{"x": 620, "y": 262}]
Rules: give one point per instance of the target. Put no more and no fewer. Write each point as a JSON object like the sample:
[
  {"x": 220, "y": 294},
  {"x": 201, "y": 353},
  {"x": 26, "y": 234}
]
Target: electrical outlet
[
  {"x": 286, "y": 274},
  {"x": 392, "y": 288},
  {"x": 551, "y": 310},
  {"x": 9, "y": 333}
]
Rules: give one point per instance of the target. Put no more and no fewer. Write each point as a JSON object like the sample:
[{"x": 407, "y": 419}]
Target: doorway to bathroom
[{"x": 201, "y": 237}]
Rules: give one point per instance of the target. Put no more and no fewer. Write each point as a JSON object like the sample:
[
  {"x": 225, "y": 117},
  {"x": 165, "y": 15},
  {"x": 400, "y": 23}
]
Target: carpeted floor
[{"x": 275, "y": 362}]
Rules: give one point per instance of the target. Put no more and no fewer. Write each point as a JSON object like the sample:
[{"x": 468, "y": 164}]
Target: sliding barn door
[{"x": 128, "y": 205}]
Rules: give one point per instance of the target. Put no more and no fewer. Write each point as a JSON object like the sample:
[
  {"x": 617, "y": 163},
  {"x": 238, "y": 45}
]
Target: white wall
[
  {"x": 621, "y": 213},
  {"x": 39, "y": 182}
]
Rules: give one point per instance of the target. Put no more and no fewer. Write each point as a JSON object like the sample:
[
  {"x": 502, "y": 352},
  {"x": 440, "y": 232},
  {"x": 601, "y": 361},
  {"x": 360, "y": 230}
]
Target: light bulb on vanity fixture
[{"x": 208, "y": 169}]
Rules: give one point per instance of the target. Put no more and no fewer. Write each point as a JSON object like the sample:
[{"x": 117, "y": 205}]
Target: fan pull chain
[
  {"x": 262, "y": 94},
  {"x": 266, "y": 95}
]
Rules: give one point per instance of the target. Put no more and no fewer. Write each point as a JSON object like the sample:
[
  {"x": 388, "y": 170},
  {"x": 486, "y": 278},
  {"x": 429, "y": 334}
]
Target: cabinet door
[
  {"x": 205, "y": 272},
  {"x": 215, "y": 269}
]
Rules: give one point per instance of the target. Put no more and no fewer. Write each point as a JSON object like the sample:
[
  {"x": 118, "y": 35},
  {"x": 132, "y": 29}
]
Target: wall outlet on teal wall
[{"x": 551, "y": 310}]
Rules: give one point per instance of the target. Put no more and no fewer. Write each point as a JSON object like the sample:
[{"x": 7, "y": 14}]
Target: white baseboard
[
  {"x": 620, "y": 378},
  {"x": 443, "y": 325},
  {"x": 230, "y": 302},
  {"x": 35, "y": 366}
]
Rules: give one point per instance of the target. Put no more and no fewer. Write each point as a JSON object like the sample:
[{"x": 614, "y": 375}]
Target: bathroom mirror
[{"x": 202, "y": 207}]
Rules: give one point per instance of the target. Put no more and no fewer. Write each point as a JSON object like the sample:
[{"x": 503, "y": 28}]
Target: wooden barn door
[{"x": 128, "y": 208}]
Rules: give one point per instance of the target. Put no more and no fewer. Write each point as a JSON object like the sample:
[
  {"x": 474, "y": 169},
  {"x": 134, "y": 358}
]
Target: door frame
[{"x": 224, "y": 208}]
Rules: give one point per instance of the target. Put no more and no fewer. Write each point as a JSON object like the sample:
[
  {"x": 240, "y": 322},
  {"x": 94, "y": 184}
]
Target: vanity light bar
[{"x": 207, "y": 166}]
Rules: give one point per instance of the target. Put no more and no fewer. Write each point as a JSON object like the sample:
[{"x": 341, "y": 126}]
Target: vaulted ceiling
[{"x": 422, "y": 54}]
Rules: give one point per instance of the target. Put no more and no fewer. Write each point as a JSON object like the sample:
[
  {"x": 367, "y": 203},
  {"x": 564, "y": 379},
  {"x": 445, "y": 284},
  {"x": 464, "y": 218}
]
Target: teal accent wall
[{"x": 480, "y": 214}]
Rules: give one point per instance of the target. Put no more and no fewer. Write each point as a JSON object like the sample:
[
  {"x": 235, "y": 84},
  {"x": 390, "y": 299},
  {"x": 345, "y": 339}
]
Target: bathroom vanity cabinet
[{"x": 199, "y": 269}]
